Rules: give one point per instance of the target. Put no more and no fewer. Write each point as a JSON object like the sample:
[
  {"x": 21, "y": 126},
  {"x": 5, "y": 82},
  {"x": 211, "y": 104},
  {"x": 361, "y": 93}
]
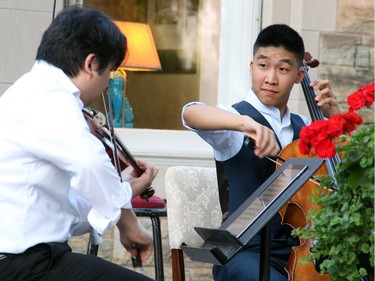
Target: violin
[
  {"x": 121, "y": 158},
  {"x": 294, "y": 212}
]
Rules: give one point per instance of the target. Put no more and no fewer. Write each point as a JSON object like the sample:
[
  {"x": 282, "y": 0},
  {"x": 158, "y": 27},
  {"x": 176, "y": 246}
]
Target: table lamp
[{"x": 141, "y": 56}]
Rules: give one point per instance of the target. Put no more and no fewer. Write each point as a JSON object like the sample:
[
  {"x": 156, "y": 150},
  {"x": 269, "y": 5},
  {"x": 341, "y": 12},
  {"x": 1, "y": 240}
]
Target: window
[
  {"x": 190, "y": 35},
  {"x": 157, "y": 97}
]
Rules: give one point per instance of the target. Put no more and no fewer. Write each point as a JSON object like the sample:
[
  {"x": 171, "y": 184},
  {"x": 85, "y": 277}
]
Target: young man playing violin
[
  {"x": 56, "y": 179},
  {"x": 264, "y": 117}
]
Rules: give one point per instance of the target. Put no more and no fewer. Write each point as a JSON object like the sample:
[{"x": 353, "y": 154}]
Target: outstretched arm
[{"x": 206, "y": 117}]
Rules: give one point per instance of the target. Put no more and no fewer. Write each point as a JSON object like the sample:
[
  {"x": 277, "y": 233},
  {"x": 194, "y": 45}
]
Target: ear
[
  {"x": 251, "y": 67},
  {"x": 300, "y": 74},
  {"x": 89, "y": 64}
]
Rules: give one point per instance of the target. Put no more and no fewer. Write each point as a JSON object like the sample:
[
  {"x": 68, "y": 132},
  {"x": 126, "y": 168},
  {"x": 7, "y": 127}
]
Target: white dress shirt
[
  {"x": 227, "y": 144},
  {"x": 56, "y": 179}
]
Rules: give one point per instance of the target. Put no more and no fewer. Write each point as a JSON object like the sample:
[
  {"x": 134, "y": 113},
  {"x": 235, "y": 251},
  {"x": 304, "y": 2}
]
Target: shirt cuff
[
  {"x": 100, "y": 223},
  {"x": 103, "y": 223},
  {"x": 182, "y": 114},
  {"x": 129, "y": 192}
]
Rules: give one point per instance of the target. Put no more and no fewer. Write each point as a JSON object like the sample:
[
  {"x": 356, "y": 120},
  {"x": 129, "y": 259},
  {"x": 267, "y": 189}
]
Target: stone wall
[{"x": 347, "y": 54}]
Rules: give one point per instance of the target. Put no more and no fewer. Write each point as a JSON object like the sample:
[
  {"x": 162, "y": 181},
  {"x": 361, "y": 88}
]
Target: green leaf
[{"x": 343, "y": 223}]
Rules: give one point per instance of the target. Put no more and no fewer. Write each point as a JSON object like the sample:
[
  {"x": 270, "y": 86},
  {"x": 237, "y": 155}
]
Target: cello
[{"x": 294, "y": 212}]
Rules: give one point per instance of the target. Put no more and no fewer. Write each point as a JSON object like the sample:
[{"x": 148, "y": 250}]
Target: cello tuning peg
[
  {"x": 310, "y": 61},
  {"x": 313, "y": 63},
  {"x": 307, "y": 57}
]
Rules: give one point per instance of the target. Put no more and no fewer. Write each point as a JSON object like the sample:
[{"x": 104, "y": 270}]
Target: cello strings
[{"x": 317, "y": 114}]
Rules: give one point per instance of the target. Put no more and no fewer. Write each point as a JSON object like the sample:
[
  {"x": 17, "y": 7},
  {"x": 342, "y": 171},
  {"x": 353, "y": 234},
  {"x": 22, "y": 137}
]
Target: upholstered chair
[{"x": 192, "y": 200}]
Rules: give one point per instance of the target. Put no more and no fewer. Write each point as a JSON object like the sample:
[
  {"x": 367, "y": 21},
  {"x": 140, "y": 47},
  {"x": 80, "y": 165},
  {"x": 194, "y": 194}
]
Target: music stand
[{"x": 221, "y": 244}]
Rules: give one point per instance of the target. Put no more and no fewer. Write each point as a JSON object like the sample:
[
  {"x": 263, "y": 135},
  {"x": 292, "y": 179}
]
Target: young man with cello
[
  {"x": 56, "y": 178},
  {"x": 264, "y": 117}
]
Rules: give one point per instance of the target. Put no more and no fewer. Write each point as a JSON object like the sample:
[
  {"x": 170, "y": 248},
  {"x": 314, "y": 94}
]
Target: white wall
[
  {"x": 22, "y": 25},
  {"x": 240, "y": 23}
]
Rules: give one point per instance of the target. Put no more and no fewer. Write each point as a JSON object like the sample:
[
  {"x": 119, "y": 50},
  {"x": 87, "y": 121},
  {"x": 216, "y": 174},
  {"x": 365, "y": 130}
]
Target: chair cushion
[
  {"x": 152, "y": 202},
  {"x": 193, "y": 200}
]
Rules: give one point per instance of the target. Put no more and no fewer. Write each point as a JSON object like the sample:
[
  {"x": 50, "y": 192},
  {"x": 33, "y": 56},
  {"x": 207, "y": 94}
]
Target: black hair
[
  {"x": 77, "y": 32},
  {"x": 281, "y": 35}
]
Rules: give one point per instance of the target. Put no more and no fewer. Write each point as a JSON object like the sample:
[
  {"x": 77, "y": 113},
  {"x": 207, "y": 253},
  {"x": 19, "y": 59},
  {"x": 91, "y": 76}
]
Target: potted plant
[{"x": 343, "y": 223}]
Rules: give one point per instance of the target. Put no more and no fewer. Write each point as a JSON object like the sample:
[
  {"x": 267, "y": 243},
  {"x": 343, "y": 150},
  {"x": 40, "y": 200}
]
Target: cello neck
[{"x": 315, "y": 112}]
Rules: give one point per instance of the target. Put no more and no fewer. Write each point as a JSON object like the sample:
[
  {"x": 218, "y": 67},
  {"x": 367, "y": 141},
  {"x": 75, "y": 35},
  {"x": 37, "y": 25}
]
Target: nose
[{"x": 271, "y": 77}]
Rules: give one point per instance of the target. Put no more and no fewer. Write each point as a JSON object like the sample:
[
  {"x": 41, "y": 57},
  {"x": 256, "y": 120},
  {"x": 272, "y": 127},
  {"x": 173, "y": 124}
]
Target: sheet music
[{"x": 259, "y": 205}]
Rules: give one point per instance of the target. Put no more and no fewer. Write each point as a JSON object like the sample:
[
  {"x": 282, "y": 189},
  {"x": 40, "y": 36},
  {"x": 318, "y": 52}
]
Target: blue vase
[{"x": 116, "y": 85}]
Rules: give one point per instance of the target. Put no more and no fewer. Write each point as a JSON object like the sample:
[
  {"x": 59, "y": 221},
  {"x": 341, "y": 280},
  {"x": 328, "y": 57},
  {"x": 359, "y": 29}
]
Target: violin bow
[
  {"x": 136, "y": 260},
  {"x": 112, "y": 134},
  {"x": 250, "y": 143}
]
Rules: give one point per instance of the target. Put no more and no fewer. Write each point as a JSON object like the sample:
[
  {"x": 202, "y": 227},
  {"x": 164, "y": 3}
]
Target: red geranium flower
[
  {"x": 319, "y": 135},
  {"x": 368, "y": 90},
  {"x": 338, "y": 124},
  {"x": 363, "y": 97},
  {"x": 351, "y": 120},
  {"x": 356, "y": 101},
  {"x": 326, "y": 149}
]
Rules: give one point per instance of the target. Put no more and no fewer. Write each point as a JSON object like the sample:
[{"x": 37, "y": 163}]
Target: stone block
[
  {"x": 356, "y": 16},
  {"x": 338, "y": 49}
]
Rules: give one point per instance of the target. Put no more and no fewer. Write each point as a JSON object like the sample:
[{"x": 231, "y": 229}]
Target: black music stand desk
[{"x": 223, "y": 243}]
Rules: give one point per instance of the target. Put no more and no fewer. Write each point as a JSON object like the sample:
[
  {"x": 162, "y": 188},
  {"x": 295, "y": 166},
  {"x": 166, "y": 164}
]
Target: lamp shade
[{"x": 141, "y": 54}]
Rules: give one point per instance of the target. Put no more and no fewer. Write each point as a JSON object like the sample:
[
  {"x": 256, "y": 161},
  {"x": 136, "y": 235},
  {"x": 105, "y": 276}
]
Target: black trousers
[{"x": 57, "y": 262}]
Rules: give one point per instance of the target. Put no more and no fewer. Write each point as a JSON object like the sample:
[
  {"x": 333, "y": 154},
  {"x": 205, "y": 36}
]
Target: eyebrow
[{"x": 263, "y": 57}]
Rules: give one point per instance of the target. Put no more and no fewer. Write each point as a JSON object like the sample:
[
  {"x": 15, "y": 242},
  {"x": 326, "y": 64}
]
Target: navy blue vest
[{"x": 245, "y": 172}]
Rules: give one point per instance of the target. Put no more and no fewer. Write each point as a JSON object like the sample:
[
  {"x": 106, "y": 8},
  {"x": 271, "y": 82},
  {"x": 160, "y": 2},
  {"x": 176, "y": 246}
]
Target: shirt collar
[
  {"x": 270, "y": 111},
  {"x": 54, "y": 73}
]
